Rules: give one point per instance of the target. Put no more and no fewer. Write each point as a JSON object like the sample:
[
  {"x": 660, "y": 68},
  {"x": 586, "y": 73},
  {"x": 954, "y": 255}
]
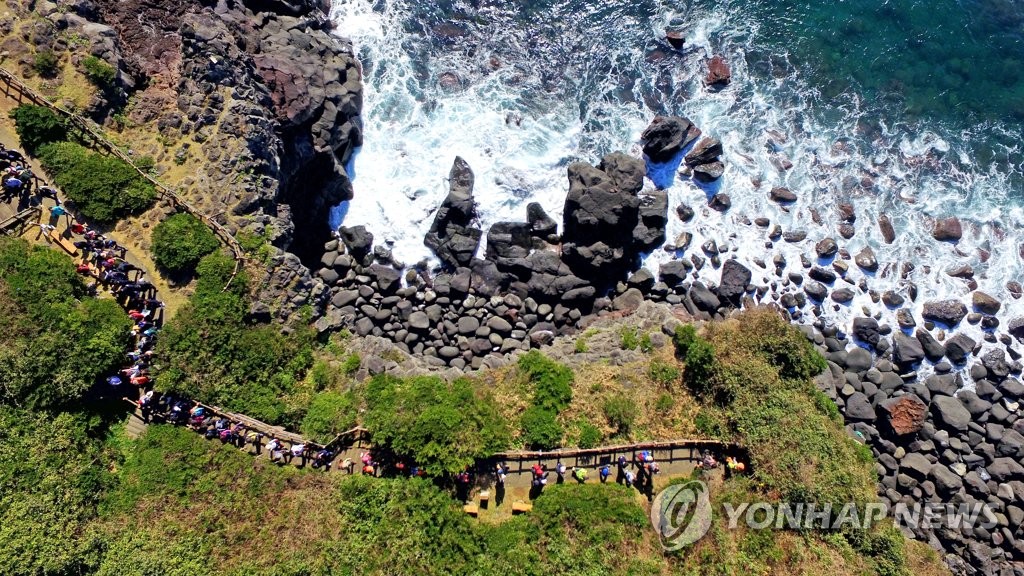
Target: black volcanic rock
[
  {"x": 451, "y": 237},
  {"x": 666, "y": 136}
]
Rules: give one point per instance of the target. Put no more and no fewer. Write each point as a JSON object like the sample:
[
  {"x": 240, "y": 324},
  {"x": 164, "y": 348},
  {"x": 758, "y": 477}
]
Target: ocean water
[{"x": 905, "y": 107}]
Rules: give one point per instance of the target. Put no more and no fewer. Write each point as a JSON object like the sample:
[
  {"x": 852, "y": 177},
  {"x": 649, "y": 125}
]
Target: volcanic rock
[
  {"x": 451, "y": 237},
  {"x": 905, "y": 414},
  {"x": 948, "y": 229},
  {"x": 706, "y": 151},
  {"x": 666, "y": 136},
  {"x": 782, "y": 195},
  {"x": 718, "y": 72},
  {"x": 948, "y": 312}
]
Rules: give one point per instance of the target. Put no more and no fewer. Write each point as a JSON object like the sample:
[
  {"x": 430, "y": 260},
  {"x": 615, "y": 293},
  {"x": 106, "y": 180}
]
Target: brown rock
[
  {"x": 885, "y": 226},
  {"x": 846, "y": 213},
  {"x": 948, "y": 229},
  {"x": 782, "y": 195},
  {"x": 718, "y": 72},
  {"x": 905, "y": 414},
  {"x": 985, "y": 304}
]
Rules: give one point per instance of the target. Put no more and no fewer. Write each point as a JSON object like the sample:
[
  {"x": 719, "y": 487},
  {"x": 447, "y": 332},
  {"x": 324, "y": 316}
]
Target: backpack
[
  {"x": 225, "y": 435},
  {"x": 211, "y": 433}
]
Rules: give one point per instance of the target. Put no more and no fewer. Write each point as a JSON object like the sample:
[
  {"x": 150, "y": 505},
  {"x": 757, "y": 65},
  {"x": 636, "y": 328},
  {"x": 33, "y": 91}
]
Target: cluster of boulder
[{"x": 934, "y": 439}]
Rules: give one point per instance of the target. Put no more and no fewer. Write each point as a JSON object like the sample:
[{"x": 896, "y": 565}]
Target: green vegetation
[
  {"x": 552, "y": 381},
  {"x": 351, "y": 364},
  {"x": 99, "y": 72},
  {"x": 181, "y": 241},
  {"x": 51, "y": 475},
  {"x": 540, "y": 428},
  {"x": 55, "y": 342},
  {"x": 754, "y": 374},
  {"x": 443, "y": 426},
  {"x": 664, "y": 403},
  {"x": 46, "y": 63},
  {"x": 663, "y": 373},
  {"x": 209, "y": 351},
  {"x": 589, "y": 435},
  {"x": 620, "y": 411},
  {"x": 104, "y": 188},
  {"x": 37, "y": 125},
  {"x": 329, "y": 414}
]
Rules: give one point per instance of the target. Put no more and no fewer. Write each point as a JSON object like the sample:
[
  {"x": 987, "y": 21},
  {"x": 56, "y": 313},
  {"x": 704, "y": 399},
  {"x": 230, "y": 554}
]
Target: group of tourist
[{"x": 15, "y": 175}]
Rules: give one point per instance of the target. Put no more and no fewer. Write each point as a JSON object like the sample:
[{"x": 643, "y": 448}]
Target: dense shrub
[
  {"x": 99, "y": 72},
  {"x": 104, "y": 188},
  {"x": 51, "y": 475},
  {"x": 329, "y": 414},
  {"x": 55, "y": 342},
  {"x": 181, "y": 241},
  {"x": 700, "y": 366},
  {"x": 46, "y": 63},
  {"x": 684, "y": 337},
  {"x": 620, "y": 411},
  {"x": 442, "y": 426},
  {"x": 37, "y": 125},
  {"x": 552, "y": 381},
  {"x": 540, "y": 428},
  {"x": 210, "y": 352},
  {"x": 589, "y": 435}
]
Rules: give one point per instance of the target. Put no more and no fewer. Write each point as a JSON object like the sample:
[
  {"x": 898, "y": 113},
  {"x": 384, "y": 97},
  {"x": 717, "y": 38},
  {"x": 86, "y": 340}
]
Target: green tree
[
  {"x": 442, "y": 426},
  {"x": 181, "y": 241},
  {"x": 104, "y": 188},
  {"x": 552, "y": 381},
  {"x": 540, "y": 427},
  {"x": 210, "y": 352},
  {"x": 46, "y": 63},
  {"x": 37, "y": 125},
  {"x": 55, "y": 343},
  {"x": 329, "y": 414}
]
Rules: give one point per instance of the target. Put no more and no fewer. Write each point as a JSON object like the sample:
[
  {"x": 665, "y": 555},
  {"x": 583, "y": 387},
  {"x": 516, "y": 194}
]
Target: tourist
[
  {"x": 298, "y": 450},
  {"x": 580, "y": 474},
  {"x": 606, "y": 471}
]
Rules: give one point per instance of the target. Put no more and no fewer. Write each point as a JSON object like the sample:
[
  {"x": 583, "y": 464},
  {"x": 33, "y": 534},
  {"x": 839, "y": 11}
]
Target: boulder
[
  {"x": 666, "y": 136},
  {"x": 816, "y": 290},
  {"x": 733, "y": 284},
  {"x": 946, "y": 481},
  {"x": 842, "y": 295},
  {"x": 858, "y": 407},
  {"x": 782, "y": 195},
  {"x": 357, "y": 239},
  {"x": 932, "y": 348},
  {"x": 947, "y": 229},
  {"x": 959, "y": 347},
  {"x": 708, "y": 172},
  {"x": 908, "y": 350},
  {"x": 1005, "y": 470},
  {"x": 866, "y": 259},
  {"x": 858, "y": 359},
  {"x": 703, "y": 298},
  {"x": 542, "y": 226},
  {"x": 915, "y": 465},
  {"x": 905, "y": 414},
  {"x": 827, "y": 248},
  {"x": 451, "y": 236},
  {"x": 1016, "y": 327},
  {"x": 948, "y": 312},
  {"x": 720, "y": 202},
  {"x": 387, "y": 278},
  {"x": 706, "y": 151},
  {"x": 950, "y": 412},
  {"x": 673, "y": 272},
  {"x": 685, "y": 212},
  {"x": 984, "y": 303},
  {"x": 885, "y": 227},
  {"x": 866, "y": 330},
  {"x": 650, "y": 230},
  {"x": 718, "y": 72}
]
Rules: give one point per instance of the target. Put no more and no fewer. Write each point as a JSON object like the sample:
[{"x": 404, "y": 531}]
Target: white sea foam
[{"x": 580, "y": 97}]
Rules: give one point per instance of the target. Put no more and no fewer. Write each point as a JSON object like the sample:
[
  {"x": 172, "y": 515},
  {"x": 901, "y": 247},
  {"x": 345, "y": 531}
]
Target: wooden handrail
[{"x": 98, "y": 140}]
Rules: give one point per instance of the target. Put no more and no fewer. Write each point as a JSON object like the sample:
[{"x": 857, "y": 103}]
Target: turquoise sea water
[{"x": 910, "y": 108}]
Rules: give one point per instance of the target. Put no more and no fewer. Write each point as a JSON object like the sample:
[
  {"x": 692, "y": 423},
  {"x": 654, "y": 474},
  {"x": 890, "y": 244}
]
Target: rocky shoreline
[{"x": 940, "y": 410}]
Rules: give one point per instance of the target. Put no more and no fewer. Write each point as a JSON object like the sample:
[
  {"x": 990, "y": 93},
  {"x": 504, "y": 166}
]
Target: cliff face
[{"x": 255, "y": 103}]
